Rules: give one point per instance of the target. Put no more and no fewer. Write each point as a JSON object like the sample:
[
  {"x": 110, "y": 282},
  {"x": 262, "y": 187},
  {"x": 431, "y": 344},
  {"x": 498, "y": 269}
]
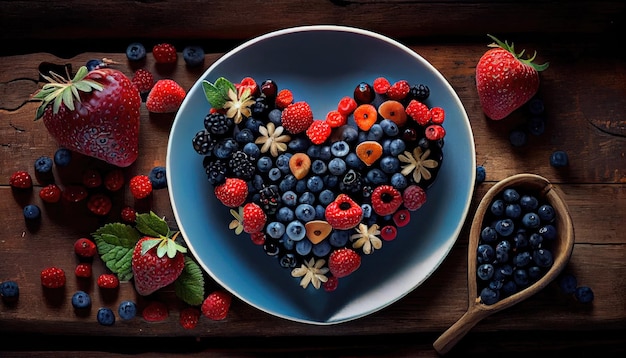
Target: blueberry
[
  {"x": 510, "y": 195},
  {"x": 43, "y": 165},
  {"x": 518, "y": 138},
  {"x": 399, "y": 181},
  {"x": 389, "y": 164},
  {"x": 62, "y": 157},
  {"x": 535, "y": 240},
  {"x": 520, "y": 276},
  {"x": 318, "y": 167},
  {"x": 508, "y": 288},
  {"x": 390, "y": 128},
  {"x": 536, "y": 125},
  {"x": 252, "y": 150},
  {"x": 320, "y": 212},
  {"x": 568, "y": 283},
  {"x": 295, "y": 230},
  {"x": 244, "y": 136},
  {"x": 502, "y": 251},
  {"x": 225, "y": 148},
  {"x": 376, "y": 177},
  {"x": 301, "y": 186},
  {"x": 288, "y": 260},
  {"x": 193, "y": 56},
  {"x": 257, "y": 182},
  {"x": 81, "y": 299},
  {"x": 521, "y": 259},
  {"x": 489, "y": 296},
  {"x": 513, "y": 211},
  {"x": 528, "y": 202},
  {"x": 546, "y": 213},
  {"x": 548, "y": 232},
  {"x": 543, "y": 258},
  {"x": 531, "y": 220},
  {"x": 288, "y": 244},
  {"x": 275, "y": 116},
  {"x": 535, "y": 106},
  {"x": 321, "y": 249},
  {"x": 520, "y": 240},
  {"x": 274, "y": 174},
  {"x": 94, "y": 64},
  {"x": 305, "y": 212},
  {"x": 339, "y": 238},
  {"x": 288, "y": 183},
  {"x": 489, "y": 234},
  {"x": 253, "y": 124},
  {"x": 271, "y": 247},
  {"x": 481, "y": 174},
  {"x": 497, "y": 207},
  {"x": 127, "y": 310},
  {"x": 32, "y": 212},
  {"x": 306, "y": 197},
  {"x": 303, "y": 247},
  {"x": 282, "y": 162},
  {"x": 331, "y": 181},
  {"x": 106, "y": 317},
  {"x": 353, "y": 161},
  {"x": 495, "y": 284},
  {"x": 535, "y": 272},
  {"x": 264, "y": 164},
  {"x": 340, "y": 149},
  {"x": 375, "y": 133},
  {"x": 396, "y": 147},
  {"x": 135, "y": 51},
  {"x": 559, "y": 159},
  {"x": 326, "y": 197},
  {"x": 337, "y": 166},
  {"x": 485, "y": 253},
  {"x": 275, "y": 229},
  {"x": 9, "y": 291},
  {"x": 584, "y": 294},
  {"x": 349, "y": 134},
  {"x": 485, "y": 272},
  {"x": 314, "y": 151},
  {"x": 505, "y": 227},
  {"x": 285, "y": 215},
  {"x": 158, "y": 177},
  {"x": 325, "y": 153},
  {"x": 367, "y": 210}
]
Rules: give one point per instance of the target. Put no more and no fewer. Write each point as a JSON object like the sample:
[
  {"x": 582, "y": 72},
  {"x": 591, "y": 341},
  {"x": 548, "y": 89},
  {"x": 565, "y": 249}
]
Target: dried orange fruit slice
[
  {"x": 317, "y": 230},
  {"x": 394, "y": 111},
  {"x": 299, "y": 164},
  {"x": 365, "y": 116},
  {"x": 369, "y": 151}
]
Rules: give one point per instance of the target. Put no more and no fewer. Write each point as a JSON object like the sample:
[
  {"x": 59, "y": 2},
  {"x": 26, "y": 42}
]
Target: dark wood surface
[{"x": 585, "y": 96}]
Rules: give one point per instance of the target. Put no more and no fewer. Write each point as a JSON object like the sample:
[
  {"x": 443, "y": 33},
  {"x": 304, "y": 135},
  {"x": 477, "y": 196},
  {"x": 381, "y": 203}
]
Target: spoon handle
[{"x": 458, "y": 330}]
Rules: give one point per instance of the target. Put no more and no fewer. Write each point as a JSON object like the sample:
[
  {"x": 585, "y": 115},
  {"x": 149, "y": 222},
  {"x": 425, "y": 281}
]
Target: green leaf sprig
[{"x": 217, "y": 93}]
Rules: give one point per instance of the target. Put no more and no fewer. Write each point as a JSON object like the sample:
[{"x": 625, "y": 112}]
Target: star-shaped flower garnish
[
  {"x": 311, "y": 272},
  {"x": 418, "y": 163},
  {"x": 367, "y": 238},
  {"x": 237, "y": 223},
  {"x": 238, "y": 105},
  {"x": 273, "y": 139}
]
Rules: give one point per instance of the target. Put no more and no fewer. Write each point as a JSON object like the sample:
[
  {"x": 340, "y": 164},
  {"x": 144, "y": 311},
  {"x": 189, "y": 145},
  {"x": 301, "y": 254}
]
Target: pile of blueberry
[{"x": 515, "y": 246}]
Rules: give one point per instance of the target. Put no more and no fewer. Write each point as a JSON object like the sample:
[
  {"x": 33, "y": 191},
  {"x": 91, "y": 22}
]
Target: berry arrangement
[{"x": 319, "y": 193}]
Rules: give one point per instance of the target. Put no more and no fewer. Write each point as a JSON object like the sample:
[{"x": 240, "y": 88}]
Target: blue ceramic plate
[{"x": 321, "y": 64}]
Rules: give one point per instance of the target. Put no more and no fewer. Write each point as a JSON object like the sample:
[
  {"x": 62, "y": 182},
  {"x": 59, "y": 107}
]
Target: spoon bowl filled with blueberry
[{"x": 520, "y": 240}]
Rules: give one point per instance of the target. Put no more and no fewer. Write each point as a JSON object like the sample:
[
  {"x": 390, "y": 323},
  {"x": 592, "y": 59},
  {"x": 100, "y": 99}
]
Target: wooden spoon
[{"x": 561, "y": 250}]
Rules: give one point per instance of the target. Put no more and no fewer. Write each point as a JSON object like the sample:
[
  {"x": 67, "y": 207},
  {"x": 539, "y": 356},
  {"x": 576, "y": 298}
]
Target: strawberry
[
  {"x": 52, "y": 277},
  {"x": 50, "y": 193},
  {"x": 83, "y": 269},
  {"x": 164, "y": 53},
  {"x": 232, "y": 193},
  {"x": 108, "y": 280},
  {"x": 297, "y": 117},
  {"x": 216, "y": 305},
  {"x": 85, "y": 248},
  {"x": 189, "y": 317},
  {"x": 399, "y": 90},
  {"x": 343, "y": 262},
  {"x": 165, "y": 97},
  {"x": 21, "y": 180},
  {"x": 504, "y": 80},
  {"x": 96, "y": 114},
  {"x": 155, "y": 311},
  {"x": 143, "y": 80},
  {"x": 156, "y": 263},
  {"x": 99, "y": 204},
  {"x": 253, "y": 218},
  {"x": 140, "y": 186},
  {"x": 318, "y": 131}
]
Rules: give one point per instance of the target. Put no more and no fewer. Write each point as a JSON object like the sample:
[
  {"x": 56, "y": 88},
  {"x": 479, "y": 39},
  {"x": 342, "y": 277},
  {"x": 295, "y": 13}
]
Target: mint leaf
[
  {"x": 116, "y": 242},
  {"x": 152, "y": 225},
  {"x": 217, "y": 94},
  {"x": 189, "y": 286}
]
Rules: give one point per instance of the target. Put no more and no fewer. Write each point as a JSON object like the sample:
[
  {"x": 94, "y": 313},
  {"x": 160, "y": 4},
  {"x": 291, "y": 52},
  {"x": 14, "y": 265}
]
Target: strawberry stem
[{"x": 511, "y": 48}]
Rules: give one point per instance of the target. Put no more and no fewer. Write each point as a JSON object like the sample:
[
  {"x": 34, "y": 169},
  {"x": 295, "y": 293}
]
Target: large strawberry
[
  {"x": 156, "y": 263},
  {"x": 505, "y": 81},
  {"x": 96, "y": 113}
]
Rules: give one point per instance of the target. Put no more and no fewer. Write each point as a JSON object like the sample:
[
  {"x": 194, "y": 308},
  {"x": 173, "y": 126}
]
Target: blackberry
[
  {"x": 218, "y": 124},
  {"x": 351, "y": 182},
  {"x": 419, "y": 92},
  {"x": 216, "y": 172},
  {"x": 241, "y": 165},
  {"x": 269, "y": 199},
  {"x": 203, "y": 143}
]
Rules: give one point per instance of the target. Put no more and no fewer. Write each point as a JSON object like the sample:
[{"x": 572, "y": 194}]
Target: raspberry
[
  {"x": 434, "y": 132},
  {"x": 253, "y": 218},
  {"x": 386, "y": 200},
  {"x": 50, "y": 193},
  {"x": 21, "y": 180},
  {"x": 99, "y": 204},
  {"x": 108, "y": 280},
  {"x": 343, "y": 213},
  {"x": 346, "y": 106},
  {"x": 343, "y": 262},
  {"x": 140, "y": 186},
  {"x": 318, "y": 131},
  {"x": 216, "y": 305},
  {"x": 83, "y": 270},
  {"x": 388, "y": 232},
  {"x": 232, "y": 193},
  {"x": 155, "y": 311},
  {"x": 381, "y": 85},
  {"x": 258, "y": 238},
  {"x": 143, "y": 80},
  {"x": 297, "y": 117},
  {"x": 114, "y": 180},
  {"x": 189, "y": 317},
  {"x": 414, "y": 197},
  {"x": 419, "y": 112},
  {"x": 52, "y": 277},
  {"x": 399, "y": 90},
  {"x": 74, "y": 193},
  {"x": 335, "y": 119},
  {"x": 437, "y": 115},
  {"x": 284, "y": 98},
  {"x": 128, "y": 214},
  {"x": 164, "y": 53},
  {"x": 85, "y": 248},
  {"x": 92, "y": 178}
]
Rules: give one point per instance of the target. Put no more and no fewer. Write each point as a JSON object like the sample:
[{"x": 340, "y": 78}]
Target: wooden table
[{"x": 585, "y": 97}]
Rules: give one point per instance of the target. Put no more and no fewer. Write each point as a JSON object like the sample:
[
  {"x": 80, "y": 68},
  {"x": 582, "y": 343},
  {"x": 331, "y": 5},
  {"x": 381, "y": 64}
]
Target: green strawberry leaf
[
  {"x": 116, "y": 242},
  {"x": 217, "y": 93},
  {"x": 189, "y": 286},
  {"x": 152, "y": 225}
]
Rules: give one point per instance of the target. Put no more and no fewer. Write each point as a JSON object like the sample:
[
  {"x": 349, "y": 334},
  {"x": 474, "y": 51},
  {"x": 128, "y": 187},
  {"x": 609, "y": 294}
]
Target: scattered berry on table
[
  {"x": 535, "y": 106},
  {"x": 143, "y": 80},
  {"x": 568, "y": 283},
  {"x": 155, "y": 311},
  {"x": 92, "y": 178},
  {"x": 50, "y": 193},
  {"x": 99, "y": 204},
  {"x": 584, "y": 294},
  {"x": 62, "y": 157},
  {"x": 136, "y": 51},
  {"x": 21, "y": 180},
  {"x": 43, "y": 165},
  {"x": 216, "y": 305},
  {"x": 108, "y": 280},
  {"x": 140, "y": 186},
  {"x": 83, "y": 270},
  {"x": 481, "y": 174},
  {"x": 52, "y": 277},
  {"x": 9, "y": 291},
  {"x": 189, "y": 317},
  {"x": 166, "y": 96},
  {"x": 127, "y": 310},
  {"x": 74, "y": 193},
  {"x": 193, "y": 56},
  {"x": 32, "y": 212},
  {"x": 105, "y": 316},
  {"x": 158, "y": 177},
  {"x": 85, "y": 248},
  {"x": 518, "y": 137},
  {"x": 128, "y": 214},
  {"x": 114, "y": 179},
  {"x": 559, "y": 159},
  {"x": 81, "y": 300},
  {"x": 164, "y": 53}
]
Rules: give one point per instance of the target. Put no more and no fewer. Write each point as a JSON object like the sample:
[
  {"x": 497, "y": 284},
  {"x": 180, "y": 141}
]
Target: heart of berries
[{"x": 320, "y": 193}]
